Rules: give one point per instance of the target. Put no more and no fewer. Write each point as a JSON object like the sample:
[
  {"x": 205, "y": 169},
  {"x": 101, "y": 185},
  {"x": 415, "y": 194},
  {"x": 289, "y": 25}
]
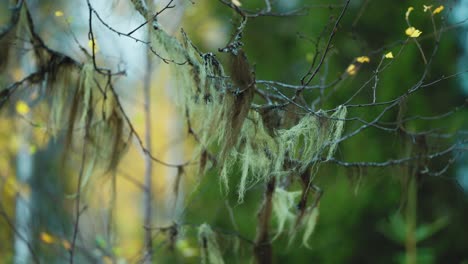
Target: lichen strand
[
  {"x": 260, "y": 155},
  {"x": 170, "y": 48},
  {"x": 237, "y": 101},
  {"x": 201, "y": 88},
  {"x": 338, "y": 121},
  {"x": 210, "y": 253},
  {"x": 303, "y": 141},
  {"x": 109, "y": 136},
  {"x": 79, "y": 107},
  {"x": 284, "y": 208},
  {"x": 310, "y": 223},
  {"x": 61, "y": 88}
]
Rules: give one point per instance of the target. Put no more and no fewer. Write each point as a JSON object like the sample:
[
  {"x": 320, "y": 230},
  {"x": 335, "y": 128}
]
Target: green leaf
[
  {"x": 100, "y": 242},
  {"x": 427, "y": 230},
  {"x": 394, "y": 229}
]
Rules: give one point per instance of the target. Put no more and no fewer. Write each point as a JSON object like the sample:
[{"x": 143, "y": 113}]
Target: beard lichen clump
[
  {"x": 220, "y": 115},
  {"x": 88, "y": 113},
  {"x": 201, "y": 87},
  {"x": 285, "y": 208},
  {"x": 259, "y": 155},
  {"x": 263, "y": 155},
  {"x": 77, "y": 99}
]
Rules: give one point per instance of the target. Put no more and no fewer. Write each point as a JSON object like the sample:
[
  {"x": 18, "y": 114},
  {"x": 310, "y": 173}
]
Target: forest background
[{"x": 377, "y": 206}]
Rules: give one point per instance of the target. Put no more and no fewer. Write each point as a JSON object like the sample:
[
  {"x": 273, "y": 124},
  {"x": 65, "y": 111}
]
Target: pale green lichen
[
  {"x": 209, "y": 248},
  {"x": 259, "y": 154},
  {"x": 79, "y": 107},
  {"x": 86, "y": 86},
  {"x": 98, "y": 119},
  {"x": 221, "y": 116},
  {"x": 61, "y": 89},
  {"x": 263, "y": 155},
  {"x": 303, "y": 141},
  {"x": 310, "y": 223},
  {"x": 284, "y": 207},
  {"x": 201, "y": 87},
  {"x": 338, "y": 119}
]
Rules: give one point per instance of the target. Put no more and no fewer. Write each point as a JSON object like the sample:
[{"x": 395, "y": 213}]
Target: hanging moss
[
  {"x": 310, "y": 223},
  {"x": 210, "y": 253},
  {"x": 200, "y": 86},
  {"x": 258, "y": 153},
  {"x": 337, "y": 129},
  {"x": 88, "y": 113},
  {"x": 61, "y": 89},
  {"x": 303, "y": 141},
  {"x": 284, "y": 207},
  {"x": 220, "y": 114},
  {"x": 237, "y": 100},
  {"x": 262, "y": 156}
]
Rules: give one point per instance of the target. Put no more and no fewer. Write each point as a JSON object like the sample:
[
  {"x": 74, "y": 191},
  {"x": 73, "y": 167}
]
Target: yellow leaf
[
  {"x": 438, "y": 10},
  {"x": 90, "y": 45},
  {"x": 427, "y": 8},
  {"x": 408, "y": 12},
  {"x": 412, "y": 32},
  {"x": 363, "y": 59},
  {"x": 22, "y": 108},
  {"x": 66, "y": 244},
  {"x": 58, "y": 13},
  {"x": 352, "y": 69},
  {"x": 388, "y": 55},
  {"x": 236, "y": 2},
  {"x": 47, "y": 238}
]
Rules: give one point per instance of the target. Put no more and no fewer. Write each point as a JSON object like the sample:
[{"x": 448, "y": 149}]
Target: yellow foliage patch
[
  {"x": 412, "y": 32},
  {"x": 47, "y": 238},
  {"x": 352, "y": 69},
  {"x": 363, "y": 59},
  {"x": 438, "y": 10},
  {"x": 22, "y": 108}
]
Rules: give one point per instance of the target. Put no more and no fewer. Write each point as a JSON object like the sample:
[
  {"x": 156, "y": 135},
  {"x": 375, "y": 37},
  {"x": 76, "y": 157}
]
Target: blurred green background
[{"x": 364, "y": 213}]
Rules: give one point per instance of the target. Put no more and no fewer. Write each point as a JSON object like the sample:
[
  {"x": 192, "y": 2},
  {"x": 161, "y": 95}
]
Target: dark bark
[{"x": 263, "y": 251}]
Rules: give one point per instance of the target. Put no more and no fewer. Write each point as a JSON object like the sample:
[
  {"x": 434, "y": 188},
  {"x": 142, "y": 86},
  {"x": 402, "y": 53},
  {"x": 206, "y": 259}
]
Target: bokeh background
[{"x": 363, "y": 212}]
